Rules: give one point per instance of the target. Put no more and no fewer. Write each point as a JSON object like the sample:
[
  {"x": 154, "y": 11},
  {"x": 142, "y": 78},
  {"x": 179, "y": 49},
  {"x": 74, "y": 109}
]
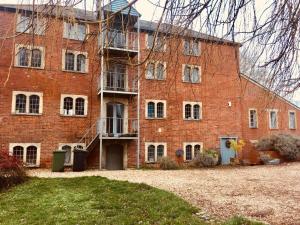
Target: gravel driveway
[{"x": 269, "y": 193}]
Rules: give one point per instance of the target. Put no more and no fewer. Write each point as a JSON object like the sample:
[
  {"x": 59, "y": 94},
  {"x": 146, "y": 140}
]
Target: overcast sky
[{"x": 148, "y": 12}]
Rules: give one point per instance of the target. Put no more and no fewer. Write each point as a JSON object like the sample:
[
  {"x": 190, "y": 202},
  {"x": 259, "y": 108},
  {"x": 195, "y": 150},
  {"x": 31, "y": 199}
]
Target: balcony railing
[
  {"x": 118, "y": 39},
  {"x": 118, "y": 127},
  {"x": 118, "y": 82}
]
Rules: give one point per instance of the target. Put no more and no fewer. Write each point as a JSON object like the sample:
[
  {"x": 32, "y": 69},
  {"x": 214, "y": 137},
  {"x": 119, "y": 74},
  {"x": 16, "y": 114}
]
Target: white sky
[{"x": 148, "y": 11}]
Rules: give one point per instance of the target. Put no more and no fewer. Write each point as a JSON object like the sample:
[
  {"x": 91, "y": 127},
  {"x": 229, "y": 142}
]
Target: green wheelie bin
[{"x": 58, "y": 161}]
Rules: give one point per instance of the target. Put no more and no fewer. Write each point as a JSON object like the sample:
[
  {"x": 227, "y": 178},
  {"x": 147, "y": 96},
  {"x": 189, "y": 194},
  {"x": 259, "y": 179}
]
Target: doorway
[
  {"x": 226, "y": 152},
  {"x": 115, "y": 118},
  {"x": 114, "y": 157}
]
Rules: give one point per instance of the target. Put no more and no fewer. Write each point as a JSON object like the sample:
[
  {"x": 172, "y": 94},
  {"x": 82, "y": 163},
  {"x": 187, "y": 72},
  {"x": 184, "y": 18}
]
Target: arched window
[
  {"x": 68, "y": 154},
  {"x": 34, "y": 104},
  {"x": 36, "y": 58},
  {"x": 31, "y": 155},
  {"x": 150, "y": 71},
  {"x": 20, "y": 103},
  {"x": 197, "y": 149},
  {"x": 79, "y": 106},
  {"x": 187, "y": 111},
  {"x": 81, "y": 63},
  {"x": 69, "y": 61},
  {"x": 160, "y": 151},
  {"x": 18, "y": 152},
  {"x": 188, "y": 152},
  {"x": 196, "y": 112},
  {"x": 151, "y": 153},
  {"x": 160, "y": 71},
  {"x": 23, "y": 57},
  {"x": 160, "y": 110},
  {"x": 68, "y": 106},
  {"x": 151, "y": 110}
]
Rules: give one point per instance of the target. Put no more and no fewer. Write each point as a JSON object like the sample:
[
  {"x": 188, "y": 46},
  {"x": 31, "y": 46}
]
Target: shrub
[
  {"x": 287, "y": 145},
  {"x": 12, "y": 171},
  {"x": 208, "y": 158},
  {"x": 167, "y": 163}
]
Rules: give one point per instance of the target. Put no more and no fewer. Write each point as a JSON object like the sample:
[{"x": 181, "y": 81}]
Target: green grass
[{"x": 93, "y": 200}]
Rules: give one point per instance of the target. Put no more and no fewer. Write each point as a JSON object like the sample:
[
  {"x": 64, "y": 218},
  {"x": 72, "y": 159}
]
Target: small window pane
[
  {"x": 18, "y": 152},
  {"x": 160, "y": 151},
  {"x": 79, "y": 106},
  {"x": 195, "y": 48},
  {"x": 23, "y": 57},
  {"x": 34, "y": 104},
  {"x": 150, "y": 71},
  {"x": 186, "y": 47},
  {"x": 36, "y": 58},
  {"x": 187, "y": 74},
  {"x": 31, "y": 155},
  {"x": 292, "y": 120},
  {"x": 160, "y": 110},
  {"x": 68, "y": 154},
  {"x": 187, "y": 111},
  {"x": 197, "y": 150},
  {"x": 20, "y": 103},
  {"x": 160, "y": 71},
  {"x": 273, "y": 116},
  {"x": 68, "y": 106},
  {"x": 196, "y": 112},
  {"x": 81, "y": 32},
  {"x": 253, "y": 119},
  {"x": 195, "y": 75},
  {"x": 151, "y": 153},
  {"x": 159, "y": 46},
  {"x": 69, "y": 61},
  {"x": 151, "y": 111},
  {"x": 81, "y": 63},
  {"x": 150, "y": 40},
  {"x": 188, "y": 152}
]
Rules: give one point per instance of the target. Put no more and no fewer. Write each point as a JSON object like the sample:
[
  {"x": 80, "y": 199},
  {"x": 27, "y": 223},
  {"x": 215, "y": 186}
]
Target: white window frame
[
  {"x": 67, "y": 35},
  {"x": 270, "y": 122},
  {"x": 25, "y": 146},
  {"x": 155, "y": 144},
  {"x": 192, "y": 67},
  {"x": 155, "y": 69},
  {"x": 289, "y": 117},
  {"x": 191, "y": 43},
  {"x": 27, "y": 94},
  {"x": 249, "y": 118},
  {"x": 29, "y": 47},
  {"x": 72, "y": 145},
  {"x": 155, "y": 42},
  {"x": 193, "y": 149},
  {"x": 41, "y": 20},
  {"x": 74, "y": 97},
  {"x": 76, "y": 53},
  {"x": 192, "y": 110},
  {"x": 155, "y": 109}
]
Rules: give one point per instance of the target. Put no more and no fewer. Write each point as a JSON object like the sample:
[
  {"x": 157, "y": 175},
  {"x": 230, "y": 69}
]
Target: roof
[
  {"x": 269, "y": 90},
  {"x": 118, "y": 5}
]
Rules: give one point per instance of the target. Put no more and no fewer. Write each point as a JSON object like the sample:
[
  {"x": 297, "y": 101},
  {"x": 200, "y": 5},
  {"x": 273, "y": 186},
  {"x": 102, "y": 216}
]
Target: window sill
[
  {"x": 30, "y": 67},
  {"x": 77, "y": 116},
  {"x": 152, "y": 162},
  {"x": 30, "y": 33},
  {"x": 32, "y": 166},
  {"x": 189, "y": 54},
  {"x": 27, "y": 114},
  {"x": 253, "y": 127},
  {"x": 73, "y": 71},
  {"x": 191, "y": 119},
  {"x": 147, "y": 118},
  {"x": 155, "y": 79},
  {"x": 189, "y": 82}
]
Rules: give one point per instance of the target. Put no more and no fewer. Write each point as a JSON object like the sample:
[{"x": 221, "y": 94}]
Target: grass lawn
[{"x": 95, "y": 200}]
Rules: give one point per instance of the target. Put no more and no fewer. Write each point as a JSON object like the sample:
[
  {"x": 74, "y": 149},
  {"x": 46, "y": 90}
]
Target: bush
[
  {"x": 287, "y": 145},
  {"x": 166, "y": 163},
  {"x": 208, "y": 158},
  {"x": 12, "y": 171}
]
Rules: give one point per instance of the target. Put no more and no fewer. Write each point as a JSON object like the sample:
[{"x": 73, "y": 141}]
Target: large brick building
[{"x": 129, "y": 95}]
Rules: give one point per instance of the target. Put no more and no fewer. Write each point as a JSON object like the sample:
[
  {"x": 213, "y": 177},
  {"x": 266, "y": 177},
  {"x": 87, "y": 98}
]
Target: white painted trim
[
  {"x": 191, "y": 41},
  {"x": 27, "y": 94},
  {"x": 192, "y": 110},
  {"x": 270, "y": 123},
  {"x": 193, "y": 149},
  {"x": 289, "y": 115},
  {"x": 72, "y": 145},
  {"x": 76, "y": 53},
  {"x": 74, "y": 97},
  {"x": 155, "y": 108},
  {"x": 249, "y": 118},
  {"x": 29, "y": 47},
  {"x": 155, "y": 69},
  {"x": 156, "y": 144},
  {"x": 25, "y": 146},
  {"x": 192, "y": 67}
]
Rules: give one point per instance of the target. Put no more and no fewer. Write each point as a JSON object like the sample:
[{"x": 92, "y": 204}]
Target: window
[
  {"x": 75, "y": 61},
  {"x": 76, "y": 31},
  {"x": 159, "y": 44},
  {"x": 191, "y": 150},
  {"x": 273, "y": 120},
  {"x": 155, "y": 109},
  {"x": 69, "y": 148},
  {"x": 192, "y": 110},
  {"x": 29, "y": 24},
  {"x": 156, "y": 70},
  {"x": 154, "y": 151},
  {"x": 73, "y": 105},
  {"x": 191, "y": 47},
  {"x": 191, "y": 74},
  {"x": 27, "y": 103},
  {"x": 252, "y": 118},
  {"x": 29, "y": 56},
  {"x": 28, "y": 153},
  {"x": 292, "y": 119}
]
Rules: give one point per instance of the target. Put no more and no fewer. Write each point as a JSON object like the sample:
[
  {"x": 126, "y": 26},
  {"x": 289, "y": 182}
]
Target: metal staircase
[{"x": 91, "y": 137}]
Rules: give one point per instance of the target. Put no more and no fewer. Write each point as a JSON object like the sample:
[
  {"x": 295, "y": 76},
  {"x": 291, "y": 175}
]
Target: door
[
  {"x": 116, "y": 77},
  {"x": 226, "y": 152},
  {"x": 115, "y": 118},
  {"x": 114, "y": 157}
]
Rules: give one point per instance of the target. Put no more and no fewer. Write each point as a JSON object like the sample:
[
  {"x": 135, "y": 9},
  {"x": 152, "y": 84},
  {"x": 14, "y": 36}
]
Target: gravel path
[{"x": 268, "y": 193}]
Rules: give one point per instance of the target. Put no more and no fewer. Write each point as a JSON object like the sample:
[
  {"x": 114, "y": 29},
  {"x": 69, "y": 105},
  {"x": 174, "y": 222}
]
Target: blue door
[{"x": 226, "y": 152}]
